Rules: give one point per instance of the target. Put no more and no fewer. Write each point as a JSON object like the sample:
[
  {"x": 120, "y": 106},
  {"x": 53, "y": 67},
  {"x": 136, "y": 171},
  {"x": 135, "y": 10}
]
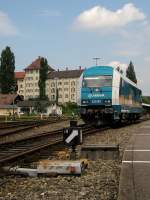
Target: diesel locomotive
[{"x": 107, "y": 96}]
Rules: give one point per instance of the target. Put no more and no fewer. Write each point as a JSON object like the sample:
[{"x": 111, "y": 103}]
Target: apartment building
[
  {"x": 28, "y": 84},
  {"x": 66, "y": 83},
  {"x": 19, "y": 76}
]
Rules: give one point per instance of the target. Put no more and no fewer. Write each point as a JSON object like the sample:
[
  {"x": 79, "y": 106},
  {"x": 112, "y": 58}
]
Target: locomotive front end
[{"x": 96, "y": 94}]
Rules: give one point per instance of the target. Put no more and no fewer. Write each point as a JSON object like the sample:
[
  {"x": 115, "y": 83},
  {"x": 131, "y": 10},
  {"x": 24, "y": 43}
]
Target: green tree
[
  {"x": 146, "y": 99},
  {"x": 7, "y": 74},
  {"x": 130, "y": 73},
  {"x": 43, "y": 77}
]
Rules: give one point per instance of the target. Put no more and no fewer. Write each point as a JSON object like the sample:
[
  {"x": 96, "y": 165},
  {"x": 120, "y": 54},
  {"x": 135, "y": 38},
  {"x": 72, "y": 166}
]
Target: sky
[{"x": 70, "y": 33}]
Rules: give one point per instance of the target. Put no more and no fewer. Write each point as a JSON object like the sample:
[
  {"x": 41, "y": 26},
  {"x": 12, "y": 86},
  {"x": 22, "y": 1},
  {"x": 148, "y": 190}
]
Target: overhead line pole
[{"x": 96, "y": 60}]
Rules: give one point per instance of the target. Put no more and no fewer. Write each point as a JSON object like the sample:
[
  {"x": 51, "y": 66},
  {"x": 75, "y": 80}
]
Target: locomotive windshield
[{"x": 98, "y": 81}]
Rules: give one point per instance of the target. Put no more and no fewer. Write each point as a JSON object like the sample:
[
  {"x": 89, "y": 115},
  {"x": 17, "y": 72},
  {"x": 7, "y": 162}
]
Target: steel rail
[
  {"x": 6, "y": 125},
  {"x": 27, "y": 127}
]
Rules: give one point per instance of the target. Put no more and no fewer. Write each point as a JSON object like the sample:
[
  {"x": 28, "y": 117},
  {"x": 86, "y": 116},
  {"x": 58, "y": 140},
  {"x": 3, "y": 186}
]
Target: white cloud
[
  {"x": 116, "y": 64},
  {"x": 6, "y": 26},
  {"x": 99, "y": 17}
]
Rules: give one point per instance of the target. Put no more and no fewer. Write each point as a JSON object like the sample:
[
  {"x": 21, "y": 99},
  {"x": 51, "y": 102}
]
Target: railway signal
[{"x": 72, "y": 136}]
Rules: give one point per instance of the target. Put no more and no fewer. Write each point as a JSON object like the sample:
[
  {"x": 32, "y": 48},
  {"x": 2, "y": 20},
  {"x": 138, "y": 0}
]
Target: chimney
[
  {"x": 58, "y": 69},
  {"x": 66, "y": 68},
  {"x": 79, "y": 67}
]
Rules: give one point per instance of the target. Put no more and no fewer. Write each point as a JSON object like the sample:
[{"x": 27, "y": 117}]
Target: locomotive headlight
[
  {"x": 85, "y": 101},
  {"x": 108, "y": 101}
]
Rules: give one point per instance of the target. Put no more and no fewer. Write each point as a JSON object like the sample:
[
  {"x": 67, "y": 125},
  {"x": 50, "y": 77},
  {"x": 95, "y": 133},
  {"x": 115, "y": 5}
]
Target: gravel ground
[{"x": 99, "y": 182}]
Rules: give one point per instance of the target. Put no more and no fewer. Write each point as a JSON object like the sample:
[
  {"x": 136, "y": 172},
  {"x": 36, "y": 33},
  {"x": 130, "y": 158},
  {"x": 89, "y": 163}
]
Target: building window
[
  {"x": 59, "y": 83},
  {"x": 60, "y": 96},
  {"x": 30, "y": 78},
  {"x": 72, "y": 96},
  {"x": 52, "y": 84},
  {"x": 52, "y": 90},
  {"x": 65, "y": 83},
  {"x": 53, "y": 97},
  {"x": 65, "y": 89},
  {"x": 59, "y": 89},
  {"x": 72, "y": 89},
  {"x": 66, "y": 95},
  {"x": 73, "y": 83}
]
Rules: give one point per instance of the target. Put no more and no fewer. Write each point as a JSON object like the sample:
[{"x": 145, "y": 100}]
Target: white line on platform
[
  {"x": 142, "y": 150},
  {"x": 136, "y": 161}
]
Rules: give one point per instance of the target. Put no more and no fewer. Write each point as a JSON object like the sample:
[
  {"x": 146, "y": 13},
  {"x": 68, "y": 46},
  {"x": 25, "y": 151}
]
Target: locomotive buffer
[{"x": 72, "y": 137}]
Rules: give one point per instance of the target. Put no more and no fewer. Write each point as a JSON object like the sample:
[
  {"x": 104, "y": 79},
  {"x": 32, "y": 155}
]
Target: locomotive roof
[{"x": 106, "y": 70}]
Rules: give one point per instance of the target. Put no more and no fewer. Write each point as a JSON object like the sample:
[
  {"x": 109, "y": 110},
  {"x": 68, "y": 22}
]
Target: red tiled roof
[
  {"x": 7, "y": 99},
  {"x": 36, "y": 65},
  {"x": 19, "y": 75}
]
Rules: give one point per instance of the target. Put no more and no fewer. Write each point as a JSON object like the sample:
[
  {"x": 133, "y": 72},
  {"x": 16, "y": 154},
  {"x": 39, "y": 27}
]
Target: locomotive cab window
[{"x": 98, "y": 81}]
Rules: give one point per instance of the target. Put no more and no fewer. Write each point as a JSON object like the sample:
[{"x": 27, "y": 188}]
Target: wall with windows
[
  {"x": 21, "y": 86},
  {"x": 31, "y": 83},
  {"x": 65, "y": 88}
]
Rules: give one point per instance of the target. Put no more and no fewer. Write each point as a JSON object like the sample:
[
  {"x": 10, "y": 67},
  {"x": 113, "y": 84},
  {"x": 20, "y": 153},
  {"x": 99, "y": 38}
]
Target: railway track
[
  {"x": 14, "y": 150},
  {"x": 14, "y": 128},
  {"x": 9, "y": 125},
  {"x": 12, "y": 124}
]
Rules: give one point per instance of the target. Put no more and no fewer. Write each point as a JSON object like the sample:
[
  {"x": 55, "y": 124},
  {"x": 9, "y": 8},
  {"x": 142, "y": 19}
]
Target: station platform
[{"x": 135, "y": 172}]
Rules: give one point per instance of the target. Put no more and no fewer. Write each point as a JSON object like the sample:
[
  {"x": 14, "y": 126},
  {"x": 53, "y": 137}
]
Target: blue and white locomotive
[{"x": 108, "y": 96}]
